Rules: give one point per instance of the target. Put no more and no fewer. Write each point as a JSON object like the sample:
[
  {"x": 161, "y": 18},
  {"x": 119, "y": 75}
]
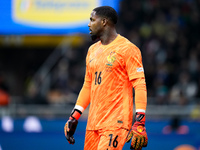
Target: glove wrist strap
[
  {"x": 75, "y": 114},
  {"x": 140, "y": 118}
]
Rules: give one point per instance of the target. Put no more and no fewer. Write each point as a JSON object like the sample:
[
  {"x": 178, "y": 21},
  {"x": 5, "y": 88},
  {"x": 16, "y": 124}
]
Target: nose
[{"x": 89, "y": 24}]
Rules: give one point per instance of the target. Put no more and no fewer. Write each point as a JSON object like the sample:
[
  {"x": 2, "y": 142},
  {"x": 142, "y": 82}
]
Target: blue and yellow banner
[{"x": 48, "y": 16}]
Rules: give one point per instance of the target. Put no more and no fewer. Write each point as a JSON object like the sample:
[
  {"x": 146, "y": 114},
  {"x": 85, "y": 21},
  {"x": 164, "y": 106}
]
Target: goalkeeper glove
[
  {"x": 138, "y": 133},
  {"x": 71, "y": 124}
]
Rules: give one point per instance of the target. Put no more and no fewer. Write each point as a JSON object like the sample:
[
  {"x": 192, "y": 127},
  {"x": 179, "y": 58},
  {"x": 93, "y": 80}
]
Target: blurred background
[{"x": 43, "y": 45}]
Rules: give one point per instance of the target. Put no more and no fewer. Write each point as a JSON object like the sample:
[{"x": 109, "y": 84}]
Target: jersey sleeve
[
  {"x": 135, "y": 71},
  {"x": 139, "y": 85},
  {"x": 87, "y": 72},
  {"x": 133, "y": 63},
  {"x": 84, "y": 95}
]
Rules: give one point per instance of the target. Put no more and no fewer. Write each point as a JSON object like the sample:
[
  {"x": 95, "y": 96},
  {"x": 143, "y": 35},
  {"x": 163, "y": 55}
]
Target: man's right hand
[{"x": 69, "y": 129}]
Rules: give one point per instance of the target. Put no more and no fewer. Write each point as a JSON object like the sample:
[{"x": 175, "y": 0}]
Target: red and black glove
[
  {"x": 138, "y": 133},
  {"x": 71, "y": 124}
]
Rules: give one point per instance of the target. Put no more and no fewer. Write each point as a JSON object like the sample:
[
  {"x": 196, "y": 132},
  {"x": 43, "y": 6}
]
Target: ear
[{"x": 104, "y": 21}]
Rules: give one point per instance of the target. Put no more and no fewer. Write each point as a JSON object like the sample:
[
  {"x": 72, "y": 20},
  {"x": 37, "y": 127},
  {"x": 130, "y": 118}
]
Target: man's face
[{"x": 95, "y": 25}]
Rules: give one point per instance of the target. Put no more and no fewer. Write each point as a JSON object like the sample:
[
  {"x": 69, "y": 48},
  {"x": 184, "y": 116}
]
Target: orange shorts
[{"x": 105, "y": 139}]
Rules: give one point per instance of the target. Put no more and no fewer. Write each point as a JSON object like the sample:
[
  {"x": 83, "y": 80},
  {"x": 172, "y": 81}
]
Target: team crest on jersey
[{"x": 111, "y": 59}]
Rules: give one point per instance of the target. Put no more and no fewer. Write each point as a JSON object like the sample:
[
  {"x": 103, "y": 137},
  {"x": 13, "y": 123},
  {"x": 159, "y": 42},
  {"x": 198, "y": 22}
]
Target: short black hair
[{"x": 108, "y": 12}]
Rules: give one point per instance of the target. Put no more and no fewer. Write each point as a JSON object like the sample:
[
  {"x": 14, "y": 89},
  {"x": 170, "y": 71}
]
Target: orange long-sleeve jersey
[{"x": 111, "y": 73}]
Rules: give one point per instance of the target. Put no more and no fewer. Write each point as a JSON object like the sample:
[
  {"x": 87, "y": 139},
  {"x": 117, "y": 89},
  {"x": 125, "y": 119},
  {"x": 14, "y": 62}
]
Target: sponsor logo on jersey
[
  {"x": 140, "y": 69},
  {"x": 119, "y": 121},
  {"x": 91, "y": 60}
]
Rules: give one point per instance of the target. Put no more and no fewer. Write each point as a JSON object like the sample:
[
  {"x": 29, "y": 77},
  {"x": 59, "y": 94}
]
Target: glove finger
[
  {"x": 70, "y": 139},
  {"x": 65, "y": 129},
  {"x": 129, "y": 137},
  {"x": 140, "y": 148},
  {"x": 137, "y": 144},
  {"x": 142, "y": 141},
  {"x": 145, "y": 141},
  {"x": 133, "y": 142}
]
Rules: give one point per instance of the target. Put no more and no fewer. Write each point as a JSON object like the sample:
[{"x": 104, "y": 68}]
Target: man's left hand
[{"x": 138, "y": 134}]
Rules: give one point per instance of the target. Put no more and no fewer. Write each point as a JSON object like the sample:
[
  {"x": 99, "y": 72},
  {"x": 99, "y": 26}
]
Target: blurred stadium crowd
[
  {"x": 167, "y": 33},
  {"x": 168, "y": 36}
]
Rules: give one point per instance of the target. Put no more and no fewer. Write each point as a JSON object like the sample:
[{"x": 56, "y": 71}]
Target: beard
[{"x": 94, "y": 37}]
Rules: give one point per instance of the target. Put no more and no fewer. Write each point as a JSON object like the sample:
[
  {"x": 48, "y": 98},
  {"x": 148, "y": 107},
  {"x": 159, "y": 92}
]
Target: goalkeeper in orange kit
[{"x": 113, "y": 68}]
